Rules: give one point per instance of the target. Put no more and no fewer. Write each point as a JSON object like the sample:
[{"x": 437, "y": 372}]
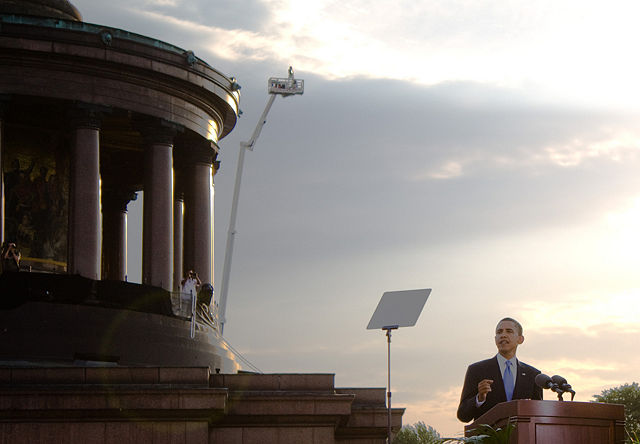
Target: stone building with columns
[
  {"x": 111, "y": 113},
  {"x": 89, "y": 117}
]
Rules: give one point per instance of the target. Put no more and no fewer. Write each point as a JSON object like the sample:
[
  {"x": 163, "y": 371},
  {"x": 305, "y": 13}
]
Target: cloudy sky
[{"x": 487, "y": 149}]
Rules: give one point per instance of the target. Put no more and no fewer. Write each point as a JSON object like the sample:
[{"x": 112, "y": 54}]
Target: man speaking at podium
[{"x": 498, "y": 379}]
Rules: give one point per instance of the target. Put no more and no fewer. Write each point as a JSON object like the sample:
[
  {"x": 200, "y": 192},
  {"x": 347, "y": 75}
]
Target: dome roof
[{"x": 60, "y": 9}]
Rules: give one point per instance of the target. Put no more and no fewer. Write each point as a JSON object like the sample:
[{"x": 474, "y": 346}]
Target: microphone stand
[{"x": 560, "y": 391}]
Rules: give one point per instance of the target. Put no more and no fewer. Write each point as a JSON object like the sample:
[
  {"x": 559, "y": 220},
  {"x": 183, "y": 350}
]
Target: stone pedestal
[{"x": 167, "y": 405}]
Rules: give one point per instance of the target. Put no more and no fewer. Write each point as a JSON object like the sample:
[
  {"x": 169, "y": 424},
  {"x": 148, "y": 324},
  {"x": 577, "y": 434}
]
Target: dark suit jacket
[{"x": 525, "y": 388}]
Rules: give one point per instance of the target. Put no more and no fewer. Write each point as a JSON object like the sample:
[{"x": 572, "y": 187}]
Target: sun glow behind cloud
[
  {"x": 612, "y": 245},
  {"x": 615, "y": 146},
  {"x": 587, "y": 313},
  {"x": 577, "y": 294},
  {"x": 624, "y": 244}
]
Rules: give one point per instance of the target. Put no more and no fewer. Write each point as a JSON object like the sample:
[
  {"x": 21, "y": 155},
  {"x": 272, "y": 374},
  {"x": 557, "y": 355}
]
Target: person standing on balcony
[{"x": 191, "y": 283}]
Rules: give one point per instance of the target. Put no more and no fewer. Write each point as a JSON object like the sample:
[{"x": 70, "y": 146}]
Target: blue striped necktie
[{"x": 508, "y": 381}]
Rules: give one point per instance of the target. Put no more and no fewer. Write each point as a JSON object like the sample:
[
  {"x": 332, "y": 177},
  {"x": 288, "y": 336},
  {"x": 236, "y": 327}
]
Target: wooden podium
[{"x": 557, "y": 422}]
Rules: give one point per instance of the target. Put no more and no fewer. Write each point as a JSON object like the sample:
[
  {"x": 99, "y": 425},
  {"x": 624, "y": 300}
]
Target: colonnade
[
  {"x": 177, "y": 215},
  {"x": 2, "y": 111}
]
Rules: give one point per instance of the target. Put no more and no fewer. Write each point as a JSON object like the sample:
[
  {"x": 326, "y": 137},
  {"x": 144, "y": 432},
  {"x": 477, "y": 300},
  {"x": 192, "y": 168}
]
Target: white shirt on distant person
[{"x": 190, "y": 286}]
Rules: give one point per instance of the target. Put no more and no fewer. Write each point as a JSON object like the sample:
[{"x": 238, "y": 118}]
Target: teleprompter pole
[{"x": 388, "y": 330}]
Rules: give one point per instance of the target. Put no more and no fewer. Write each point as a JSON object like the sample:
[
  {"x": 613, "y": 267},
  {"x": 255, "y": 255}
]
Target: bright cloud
[
  {"x": 448, "y": 170},
  {"x": 162, "y": 2},
  {"x": 588, "y": 312},
  {"x": 541, "y": 47},
  {"x": 612, "y": 147},
  {"x": 616, "y": 147},
  {"x": 238, "y": 43}
]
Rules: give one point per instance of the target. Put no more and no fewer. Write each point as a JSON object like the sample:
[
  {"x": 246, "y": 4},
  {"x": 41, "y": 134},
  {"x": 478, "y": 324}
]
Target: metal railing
[
  {"x": 42, "y": 265},
  {"x": 186, "y": 306}
]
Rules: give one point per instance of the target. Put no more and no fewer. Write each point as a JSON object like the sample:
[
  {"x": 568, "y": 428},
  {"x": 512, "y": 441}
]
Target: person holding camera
[{"x": 191, "y": 284}]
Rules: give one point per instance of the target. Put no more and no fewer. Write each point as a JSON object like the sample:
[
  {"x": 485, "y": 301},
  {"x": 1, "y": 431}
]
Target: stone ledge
[
  {"x": 269, "y": 435},
  {"x": 369, "y": 424},
  {"x": 288, "y": 404},
  {"x": 100, "y": 399},
  {"x": 76, "y": 66},
  {"x": 366, "y": 396},
  {"x": 277, "y": 381},
  {"x": 375, "y": 417},
  {"x": 177, "y": 376}
]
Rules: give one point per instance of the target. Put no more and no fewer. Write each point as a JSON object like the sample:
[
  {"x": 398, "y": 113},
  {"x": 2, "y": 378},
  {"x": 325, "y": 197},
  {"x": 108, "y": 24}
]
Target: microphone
[
  {"x": 545, "y": 382},
  {"x": 562, "y": 384}
]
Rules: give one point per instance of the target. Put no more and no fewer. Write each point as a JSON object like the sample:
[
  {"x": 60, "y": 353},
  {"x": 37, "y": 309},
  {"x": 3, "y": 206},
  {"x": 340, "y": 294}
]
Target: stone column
[
  {"x": 114, "y": 232},
  {"x": 84, "y": 195},
  {"x": 2, "y": 107},
  {"x": 1, "y": 183},
  {"x": 178, "y": 240},
  {"x": 215, "y": 167},
  {"x": 198, "y": 220},
  {"x": 157, "y": 232}
]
